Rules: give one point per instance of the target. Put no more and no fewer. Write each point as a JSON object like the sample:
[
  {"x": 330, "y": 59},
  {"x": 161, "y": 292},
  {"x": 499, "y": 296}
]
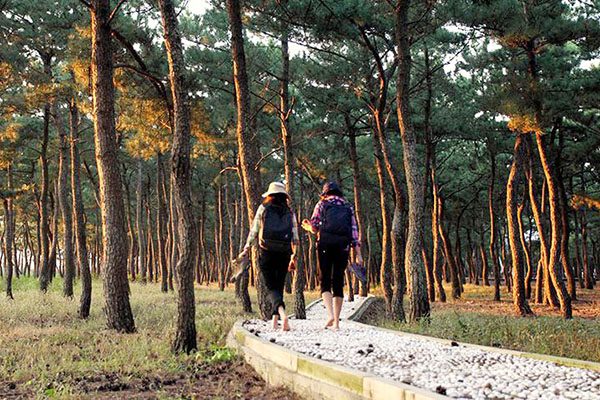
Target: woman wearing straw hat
[{"x": 276, "y": 229}]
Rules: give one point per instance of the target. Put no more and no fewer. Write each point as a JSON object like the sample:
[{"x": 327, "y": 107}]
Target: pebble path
[{"x": 454, "y": 370}]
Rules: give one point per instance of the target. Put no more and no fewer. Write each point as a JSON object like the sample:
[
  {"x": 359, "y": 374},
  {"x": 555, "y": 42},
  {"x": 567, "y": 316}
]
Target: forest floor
[
  {"x": 45, "y": 351},
  {"x": 476, "y": 318}
]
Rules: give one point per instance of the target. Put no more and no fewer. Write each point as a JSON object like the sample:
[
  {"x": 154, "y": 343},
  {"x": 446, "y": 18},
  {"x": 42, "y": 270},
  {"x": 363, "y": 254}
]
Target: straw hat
[{"x": 275, "y": 187}]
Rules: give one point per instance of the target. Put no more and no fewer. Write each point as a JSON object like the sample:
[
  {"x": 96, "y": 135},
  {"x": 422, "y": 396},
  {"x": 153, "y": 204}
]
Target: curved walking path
[{"x": 438, "y": 366}]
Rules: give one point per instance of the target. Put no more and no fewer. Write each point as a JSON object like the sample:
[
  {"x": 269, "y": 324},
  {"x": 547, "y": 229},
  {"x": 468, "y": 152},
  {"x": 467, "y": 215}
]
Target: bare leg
[
  {"x": 285, "y": 322},
  {"x": 327, "y": 300},
  {"x": 275, "y": 320},
  {"x": 337, "y": 309}
]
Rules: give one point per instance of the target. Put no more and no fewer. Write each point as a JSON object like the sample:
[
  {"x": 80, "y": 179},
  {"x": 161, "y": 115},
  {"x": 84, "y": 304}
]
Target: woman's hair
[
  {"x": 278, "y": 199},
  {"x": 334, "y": 192}
]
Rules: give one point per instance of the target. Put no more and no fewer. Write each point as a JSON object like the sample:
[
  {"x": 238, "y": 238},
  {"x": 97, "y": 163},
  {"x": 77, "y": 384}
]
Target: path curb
[{"x": 312, "y": 378}]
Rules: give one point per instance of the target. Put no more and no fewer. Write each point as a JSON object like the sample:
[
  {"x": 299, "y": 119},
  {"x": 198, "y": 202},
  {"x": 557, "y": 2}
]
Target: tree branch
[{"x": 114, "y": 11}]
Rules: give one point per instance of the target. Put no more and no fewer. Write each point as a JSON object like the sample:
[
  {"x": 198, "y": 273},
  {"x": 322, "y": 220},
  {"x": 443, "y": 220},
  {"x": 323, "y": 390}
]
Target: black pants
[
  {"x": 273, "y": 266},
  {"x": 332, "y": 265}
]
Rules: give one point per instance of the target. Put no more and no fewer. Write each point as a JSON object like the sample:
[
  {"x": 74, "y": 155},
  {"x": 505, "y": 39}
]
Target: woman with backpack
[
  {"x": 275, "y": 228},
  {"x": 334, "y": 222}
]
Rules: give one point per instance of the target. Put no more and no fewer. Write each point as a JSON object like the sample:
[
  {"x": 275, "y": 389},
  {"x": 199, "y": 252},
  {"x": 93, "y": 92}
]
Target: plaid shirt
[
  {"x": 257, "y": 223},
  {"x": 317, "y": 216}
]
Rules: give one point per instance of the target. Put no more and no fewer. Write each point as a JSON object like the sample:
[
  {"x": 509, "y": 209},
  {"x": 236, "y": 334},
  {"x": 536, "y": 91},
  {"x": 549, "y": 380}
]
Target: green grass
[
  {"x": 577, "y": 338},
  {"x": 46, "y": 349}
]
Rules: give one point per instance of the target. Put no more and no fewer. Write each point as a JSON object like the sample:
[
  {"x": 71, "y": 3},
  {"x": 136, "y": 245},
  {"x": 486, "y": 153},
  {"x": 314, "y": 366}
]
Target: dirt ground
[
  {"x": 224, "y": 380},
  {"x": 479, "y": 299}
]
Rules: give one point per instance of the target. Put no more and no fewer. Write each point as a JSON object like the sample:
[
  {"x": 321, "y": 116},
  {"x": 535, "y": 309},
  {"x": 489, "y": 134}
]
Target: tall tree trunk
[
  {"x": 65, "y": 204},
  {"x": 564, "y": 221},
  {"x": 161, "y": 211},
  {"x": 526, "y": 249},
  {"x": 241, "y": 284},
  {"x": 415, "y": 269},
  {"x": 435, "y": 233},
  {"x": 493, "y": 254},
  {"x": 139, "y": 219},
  {"x": 9, "y": 229},
  {"x": 454, "y": 277},
  {"x": 286, "y": 138},
  {"x": 385, "y": 268},
  {"x": 429, "y": 159},
  {"x": 79, "y": 223},
  {"x": 114, "y": 259},
  {"x": 554, "y": 256},
  {"x": 54, "y": 233},
  {"x": 515, "y": 237},
  {"x": 132, "y": 250},
  {"x": 248, "y": 147},
  {"x": 378, "y": 109},
  {"x": 181, "y": 171},
  {"x": 356, "y": 180},
  {"x": 45, "y": 270},
  {"x": 549, "y": 173}
]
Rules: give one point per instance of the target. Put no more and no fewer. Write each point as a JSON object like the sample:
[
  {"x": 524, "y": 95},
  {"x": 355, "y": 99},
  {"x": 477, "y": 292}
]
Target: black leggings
[
  {"x": 332, "y": 265},
  {"x": 273, "y": 266}
]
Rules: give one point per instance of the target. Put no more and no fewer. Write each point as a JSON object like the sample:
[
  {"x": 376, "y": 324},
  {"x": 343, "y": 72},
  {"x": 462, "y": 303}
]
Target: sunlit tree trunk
[
  {"x": 567, "y": 266},
  {"x": 358, "y": 206},
  {"x": 454, "y": 277},
  {"x": 386, "y": 267},
  {"x": 554, "y": 253},
  {"x": 435, "y": 233},
  {"x": 429, "y": 159},
  {"x": 514, "y": 233}
]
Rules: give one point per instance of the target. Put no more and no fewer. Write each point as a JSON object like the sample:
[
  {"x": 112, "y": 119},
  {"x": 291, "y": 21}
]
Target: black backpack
[
  {"x": 336, "y": 228},
  {"x": 276, "y": 229}
]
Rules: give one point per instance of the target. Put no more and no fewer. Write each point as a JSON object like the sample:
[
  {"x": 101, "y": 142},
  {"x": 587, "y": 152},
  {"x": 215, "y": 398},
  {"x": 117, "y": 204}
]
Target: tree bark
[
  {"x": 65, "y": 205},
  {"x": 45, "y": 270},
  {"x": 248, "y": 146},
  {"x": 454, "y": 277},
  {"x": 114, "y": 259},
  {"x": 286, "y": 138},
  {"x": 435, "y": 233},
  {"x": 413, "y": 262},
  {"x": 181, "y": 171},
  {"x": 493, "y": 254},
  {"x": 356, "y": 180},
  {"x": 9, "y": 229},
  {"x": 161, "y": 211},
  {"x": 554, "y": 256},
  {"x": 385, "y": 269},
  {"x": 139, "y": 214},
  {"x": 79, "y": 225},
  {"x": 514, "y": 233},
  {"x": 564, "y": 222}
]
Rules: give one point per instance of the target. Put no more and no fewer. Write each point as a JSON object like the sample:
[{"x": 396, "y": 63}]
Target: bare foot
[
  {"x": 329, "y": 323},
  {"x": 285, "y": 325},
  {"x": 336, "y": 325},
  {"x": 275, "y": 323}
]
